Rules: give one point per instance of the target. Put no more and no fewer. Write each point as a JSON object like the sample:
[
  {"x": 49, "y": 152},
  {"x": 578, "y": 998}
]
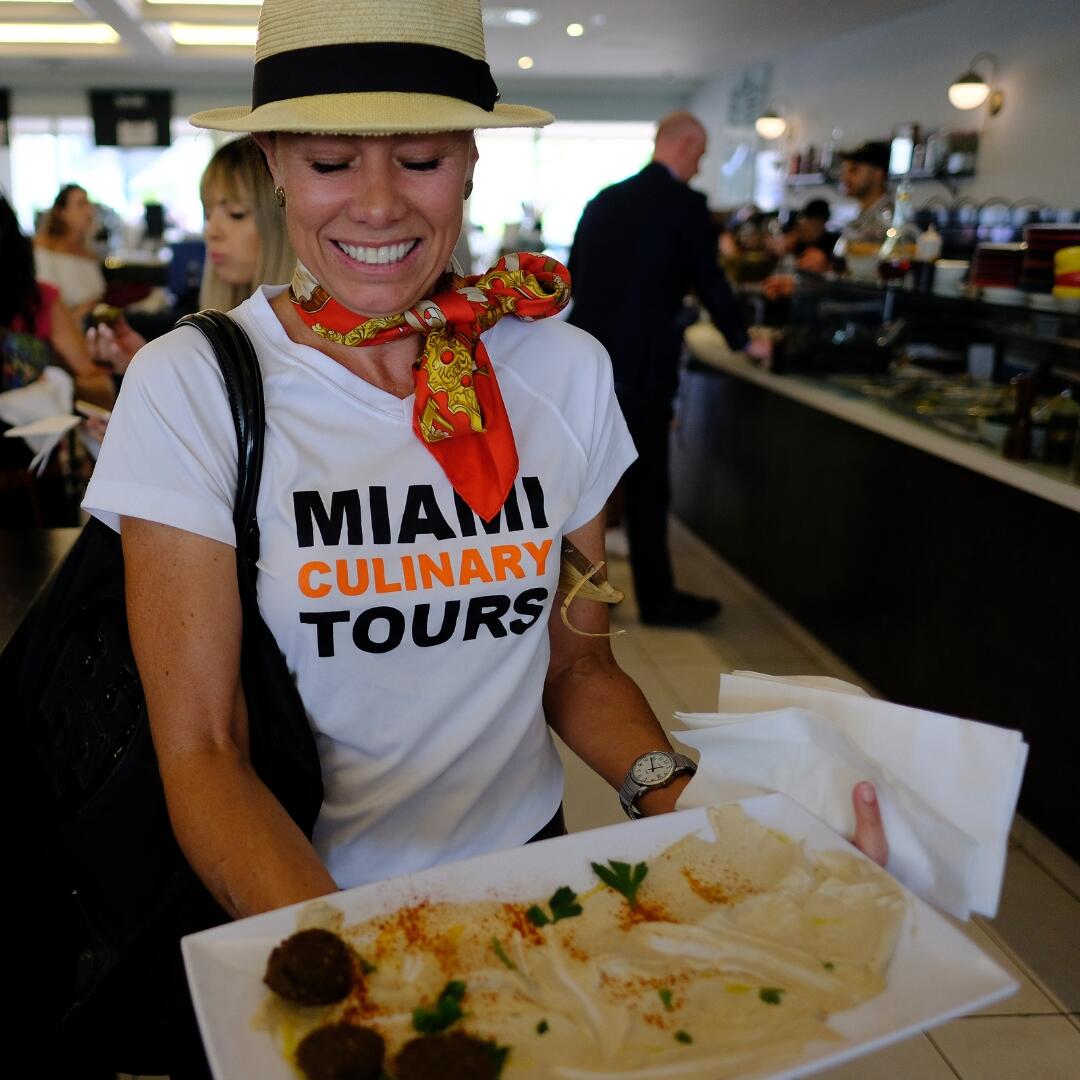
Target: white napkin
[
  {"x": 41, "y": 413},
  {"x": 947, "y": 787}
]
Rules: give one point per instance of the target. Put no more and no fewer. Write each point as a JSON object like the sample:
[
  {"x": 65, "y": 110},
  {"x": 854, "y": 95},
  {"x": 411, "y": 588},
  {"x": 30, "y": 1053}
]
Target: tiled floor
[{"x": 1034, "y": 1035}]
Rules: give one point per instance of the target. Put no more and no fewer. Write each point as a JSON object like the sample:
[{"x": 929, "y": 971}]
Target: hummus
[{"x": 728, "y": 961}]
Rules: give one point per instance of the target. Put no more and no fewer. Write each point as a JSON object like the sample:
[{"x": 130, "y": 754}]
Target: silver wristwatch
[{"x": 656, "y": 769}]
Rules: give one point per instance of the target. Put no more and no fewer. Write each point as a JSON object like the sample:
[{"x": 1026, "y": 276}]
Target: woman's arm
[
  {"x": 590, "y": 702},
  {"x": 185, "y": 620},
  {"x": 91, "y": 382},
  {"x": 599, "y": 712}
]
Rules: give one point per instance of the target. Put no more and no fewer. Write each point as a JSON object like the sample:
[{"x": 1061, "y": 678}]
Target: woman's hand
[
  {"x": 869, "y": 832},
  {"x": 114, "y": 346}
]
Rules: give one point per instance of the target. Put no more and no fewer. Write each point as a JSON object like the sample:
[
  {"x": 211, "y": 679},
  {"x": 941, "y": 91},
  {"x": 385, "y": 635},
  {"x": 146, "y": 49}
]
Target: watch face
[{"x": 652, "y": 769}]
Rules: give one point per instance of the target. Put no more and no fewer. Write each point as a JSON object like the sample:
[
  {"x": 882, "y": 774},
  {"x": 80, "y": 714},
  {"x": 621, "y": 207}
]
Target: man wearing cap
[
  {"x": 640, "y": 247},
  {"x": 863, "y": 176}
]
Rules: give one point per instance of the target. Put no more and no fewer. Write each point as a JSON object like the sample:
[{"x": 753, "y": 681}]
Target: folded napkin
[
  {"x": 41, "y": 412},
  {"x": 947, "y": 787}
]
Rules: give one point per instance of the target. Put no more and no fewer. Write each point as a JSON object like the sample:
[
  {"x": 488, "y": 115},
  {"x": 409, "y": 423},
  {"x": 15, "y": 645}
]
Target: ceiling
[{"x": 681, "y": 42}]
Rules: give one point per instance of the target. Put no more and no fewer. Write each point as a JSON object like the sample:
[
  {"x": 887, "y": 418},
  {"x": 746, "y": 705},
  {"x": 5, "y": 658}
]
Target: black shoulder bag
[{"x": 118, "y": 893}]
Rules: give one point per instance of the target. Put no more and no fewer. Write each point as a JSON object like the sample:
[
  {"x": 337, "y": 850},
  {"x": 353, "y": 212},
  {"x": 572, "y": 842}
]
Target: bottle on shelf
[
  {"x": 927, "y": 252},
  {"x": 1062, "y": 424},
  {"x": 897, "y": 251},
  {"x": 1017, "y": 444}
]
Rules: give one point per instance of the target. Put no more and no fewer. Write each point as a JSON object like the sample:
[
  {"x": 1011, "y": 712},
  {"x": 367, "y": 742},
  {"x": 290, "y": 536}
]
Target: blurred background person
[
  {"x": 641, "y": 245},
  {"x": 63, "y": 254},
  {"x": 246, "y": 244},
  {"x": 864, "y": 176},
  {"x": 810, "y": 243},
  {"x": 36, "y": 327}
]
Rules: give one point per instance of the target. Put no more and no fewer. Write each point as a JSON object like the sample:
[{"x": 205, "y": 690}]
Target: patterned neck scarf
[{"x": 459, "y": 415}]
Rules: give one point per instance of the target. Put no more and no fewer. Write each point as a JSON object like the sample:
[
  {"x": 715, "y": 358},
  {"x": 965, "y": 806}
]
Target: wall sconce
[
  {"x": 970, "y": 90},
  {"x": 770, "y": 124}
]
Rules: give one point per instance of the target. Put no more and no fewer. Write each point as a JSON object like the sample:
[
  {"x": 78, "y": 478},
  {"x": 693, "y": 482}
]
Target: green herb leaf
[
  {"x": 447, "y": 1010},
  {"x": 564, "y": 904},
  {"x": 367, "y": 967},
  {"x": 828, "y": 965},
  {"x": 771, "y": 994},
  {"x": 536, "y": 916},
  {"x": 683, "y": 1037},
  {"x": 542, "y": 1027},
  {"x": 622, "y": 877},
  {"x": 665, "y": 997},
  {"x": 500, "y": 952}
]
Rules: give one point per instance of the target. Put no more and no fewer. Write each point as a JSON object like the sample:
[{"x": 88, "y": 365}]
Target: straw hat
[{"x": 371, "y": 67}]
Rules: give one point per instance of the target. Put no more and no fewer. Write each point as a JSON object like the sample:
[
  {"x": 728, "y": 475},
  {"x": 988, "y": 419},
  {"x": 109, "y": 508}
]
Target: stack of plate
[
  {"x": 998, "y": 265},
  {"x": 1037, "y": 272}
]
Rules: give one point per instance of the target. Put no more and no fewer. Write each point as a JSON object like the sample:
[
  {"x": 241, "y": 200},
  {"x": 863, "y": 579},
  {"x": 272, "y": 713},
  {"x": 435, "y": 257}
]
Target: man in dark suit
[{"x": 641, "y": 246}]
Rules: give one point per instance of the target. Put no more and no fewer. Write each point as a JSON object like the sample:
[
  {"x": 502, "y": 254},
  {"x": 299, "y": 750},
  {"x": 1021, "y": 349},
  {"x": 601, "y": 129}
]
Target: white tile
[
  {"x": 1029, "y": 999},
  {"x": 1038, "y": 922},
  {"x": 1011, "y": 1047},
  {"x": 912, "y": 1059}
]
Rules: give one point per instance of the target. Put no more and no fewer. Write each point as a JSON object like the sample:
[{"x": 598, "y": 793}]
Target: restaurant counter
[
  {"x": 27, "y": 559},
  {"x": 944, "y": 574}
]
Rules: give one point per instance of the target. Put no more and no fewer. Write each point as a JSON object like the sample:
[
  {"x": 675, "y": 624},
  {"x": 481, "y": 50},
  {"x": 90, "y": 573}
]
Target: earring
[
  {"x": 279, "y": 194},
  {"x": 468, "y": 189}
]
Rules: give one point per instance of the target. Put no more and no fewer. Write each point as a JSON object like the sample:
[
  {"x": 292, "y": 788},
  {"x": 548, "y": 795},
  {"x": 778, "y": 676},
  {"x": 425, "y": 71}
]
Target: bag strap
[{"x": 243, "y": 382}]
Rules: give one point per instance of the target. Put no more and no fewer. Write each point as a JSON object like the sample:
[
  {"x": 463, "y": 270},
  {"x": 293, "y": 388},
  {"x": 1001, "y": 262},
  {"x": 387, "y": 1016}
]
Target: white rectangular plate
[{"x": 936, "y": 972}]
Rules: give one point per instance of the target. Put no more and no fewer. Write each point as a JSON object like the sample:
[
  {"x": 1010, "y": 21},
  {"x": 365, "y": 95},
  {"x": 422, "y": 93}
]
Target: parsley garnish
[
  {"x": 447, "y": 1010},
  {"x": 828, "y": 965},
  {"x": 563, "y": 904},
  {"x": 683, "y": 1037},
  {"x": 770, "y": 995},
  {"x": 622, "y": 877},
  {"x": 500, "y": 952},
  {"x": 542, "y": 1027},
  {"x": 367, "y": 967},
  {"x": 665, "y": 997}
]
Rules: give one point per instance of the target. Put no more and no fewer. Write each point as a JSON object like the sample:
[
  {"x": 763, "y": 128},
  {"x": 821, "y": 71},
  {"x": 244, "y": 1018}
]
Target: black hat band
[{"x": 373, "y": 67}]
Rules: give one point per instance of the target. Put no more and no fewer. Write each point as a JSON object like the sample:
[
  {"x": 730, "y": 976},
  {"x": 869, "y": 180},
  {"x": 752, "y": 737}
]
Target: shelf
[{"x": 820, "y": 179}]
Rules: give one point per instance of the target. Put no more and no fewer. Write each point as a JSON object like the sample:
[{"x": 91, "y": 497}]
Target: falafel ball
[
  {"x": 456, "y": 1056},
  {"x": 312, "y": 967},
  {"x": 341, "y": 1052}
]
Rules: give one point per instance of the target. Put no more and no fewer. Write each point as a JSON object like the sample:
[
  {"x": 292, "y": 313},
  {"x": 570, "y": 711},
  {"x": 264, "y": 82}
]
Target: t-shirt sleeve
[
  {"x": 607, "y": 443},
  {"x": 170, "y": 453}
]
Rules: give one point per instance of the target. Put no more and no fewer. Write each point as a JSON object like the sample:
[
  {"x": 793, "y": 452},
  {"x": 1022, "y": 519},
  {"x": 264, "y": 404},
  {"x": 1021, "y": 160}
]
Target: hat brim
[{"x": 370, "y": 113}]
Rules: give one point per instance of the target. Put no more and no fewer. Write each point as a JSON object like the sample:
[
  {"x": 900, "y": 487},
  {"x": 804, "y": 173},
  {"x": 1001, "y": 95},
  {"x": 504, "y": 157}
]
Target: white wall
[{"x": 896, "y": 72}]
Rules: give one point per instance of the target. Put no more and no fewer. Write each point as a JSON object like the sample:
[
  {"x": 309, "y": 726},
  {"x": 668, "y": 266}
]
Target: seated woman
[
  {"x": 36, "y": 327},
  {"x": 62, "y": 253}
]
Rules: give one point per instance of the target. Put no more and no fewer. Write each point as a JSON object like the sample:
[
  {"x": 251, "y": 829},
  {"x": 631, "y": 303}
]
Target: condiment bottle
[
  {"x": 1017, "y": 444},
  {"x": 927, "y": 252}
]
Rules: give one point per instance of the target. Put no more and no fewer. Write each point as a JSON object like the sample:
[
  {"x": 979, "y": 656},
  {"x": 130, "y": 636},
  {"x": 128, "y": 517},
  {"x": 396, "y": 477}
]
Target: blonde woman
[{"x": 246, "y": 244}]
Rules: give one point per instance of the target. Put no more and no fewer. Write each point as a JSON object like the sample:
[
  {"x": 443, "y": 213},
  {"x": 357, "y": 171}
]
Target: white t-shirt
[
  {"x": 417, "y": 636},
  {"x": 78, "y": 278}
]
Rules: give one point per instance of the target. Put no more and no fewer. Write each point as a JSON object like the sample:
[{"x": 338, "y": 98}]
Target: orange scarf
[{"x": 459, "y": 415}]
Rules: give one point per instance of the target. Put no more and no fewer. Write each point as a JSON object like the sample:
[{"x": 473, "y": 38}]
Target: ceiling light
[
  {"x": 770, "y": 124},
  {"x": 575, "y": 29},
  {"x": 970, "y": 90},
  {"x": 87, "y": 33},
  {"x": 198, "y": 34},
  {"x": 525, "y": 62},
  {"x": 499, "y": 16}
]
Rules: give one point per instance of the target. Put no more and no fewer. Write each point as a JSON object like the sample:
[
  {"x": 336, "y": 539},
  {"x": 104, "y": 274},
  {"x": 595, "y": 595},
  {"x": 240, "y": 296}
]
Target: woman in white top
[
  {"x": 62, "y": 254},
  {"x": 418, "y": 484}
]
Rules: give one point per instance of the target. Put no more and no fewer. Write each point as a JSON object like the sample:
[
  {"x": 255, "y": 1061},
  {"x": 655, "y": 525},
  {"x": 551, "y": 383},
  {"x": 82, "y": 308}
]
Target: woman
[
  {"x": 416, "y": 489},
  {"x": 36, "y": 328},
  {"x": 62, "y": 253},
  {"x": 246, "y": 244}
]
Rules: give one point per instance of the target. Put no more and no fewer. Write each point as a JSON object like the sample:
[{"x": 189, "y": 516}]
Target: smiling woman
[{"x": 457, "y": 407}]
